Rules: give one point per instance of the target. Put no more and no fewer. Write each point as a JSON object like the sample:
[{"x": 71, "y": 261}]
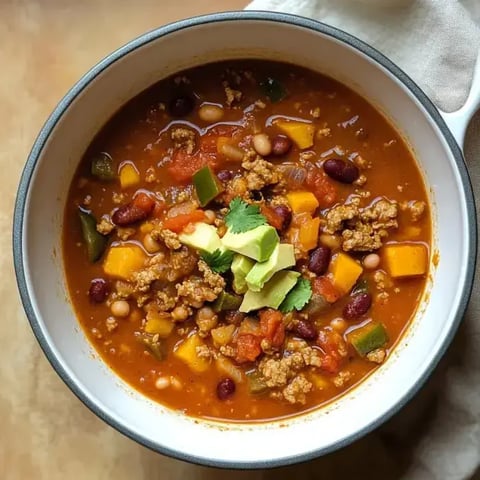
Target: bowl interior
[{"x": 85, "y": 110}]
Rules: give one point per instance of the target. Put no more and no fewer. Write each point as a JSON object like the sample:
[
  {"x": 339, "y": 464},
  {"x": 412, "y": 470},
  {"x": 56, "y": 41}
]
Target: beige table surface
[{"x": 45, "y": 431}]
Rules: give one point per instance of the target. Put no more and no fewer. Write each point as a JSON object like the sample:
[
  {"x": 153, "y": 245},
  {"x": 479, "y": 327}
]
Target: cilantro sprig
[
  {"x": 243, "y": 217},
  {"x": 298, "y": 296},
  {"x": 218, "y": 261}
]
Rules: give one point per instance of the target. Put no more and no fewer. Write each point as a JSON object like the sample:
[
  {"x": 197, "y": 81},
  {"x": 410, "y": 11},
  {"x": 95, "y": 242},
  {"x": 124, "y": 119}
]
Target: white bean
[
  {"x": 210, "y": 113},
  {"x": 262, "y": 144},
  {"x": 371, "y": 261},
  {"x": 162, "y": 382},
  {"x": 120, "y": 308},
  {"x": 232, "y": 152},
  {"x": 339, "y": 324},
  {"x": 150, "y": 244}
]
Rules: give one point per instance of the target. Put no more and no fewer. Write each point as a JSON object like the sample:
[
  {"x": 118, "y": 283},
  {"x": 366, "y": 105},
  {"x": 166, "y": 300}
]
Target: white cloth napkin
[{"x": 437, "y": 436}]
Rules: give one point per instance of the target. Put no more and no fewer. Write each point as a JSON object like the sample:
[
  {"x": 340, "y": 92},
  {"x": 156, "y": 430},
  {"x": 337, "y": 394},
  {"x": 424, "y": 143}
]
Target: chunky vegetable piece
[
  {"x": 246, "y": 241},
  {"x": 206, "y": 185},
  {"x": 406, "y": 260},
  {"x": 95, "y": 242},
  {"x": 123, "y": 261},
  {"x": 345, "y": 271},
  {"x": 129, "y": 176},
  {"x": 368, "y": 338},
  {"x": 301, "y": 133},
  {"x": 302, "y": 202}
]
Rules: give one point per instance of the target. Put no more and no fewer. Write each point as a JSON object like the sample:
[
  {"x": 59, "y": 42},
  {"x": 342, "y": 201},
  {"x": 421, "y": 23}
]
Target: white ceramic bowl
[{"x": 124, "y": 74}]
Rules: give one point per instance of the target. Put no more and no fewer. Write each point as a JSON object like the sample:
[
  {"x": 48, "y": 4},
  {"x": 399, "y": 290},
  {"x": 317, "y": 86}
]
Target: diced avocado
[
  {"x": 257, "y": 243},
  {"x": 368, "y": 337},
  {"x": 272, "y": 294},
  {"x": 240, "y": 267},
  {"x": 226, "y": 301},
  {"x": 206, "y": 185},
  {"x": 282, "y": 257},
  {"x": 204, "y": 237}
]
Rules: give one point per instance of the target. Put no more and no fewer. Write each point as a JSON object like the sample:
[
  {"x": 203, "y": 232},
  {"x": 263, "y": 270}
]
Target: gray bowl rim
[{"x": 63, "y": 105}]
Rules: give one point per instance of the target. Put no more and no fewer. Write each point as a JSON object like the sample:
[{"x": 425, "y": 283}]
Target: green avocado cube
[
  {"x": 204, "y": 237},
  {"x": 257, "y": 243},
  {"x": 241, "y": 265},
  {"x": 272, "y": 294},
  {"x": 282, "y": 257}
]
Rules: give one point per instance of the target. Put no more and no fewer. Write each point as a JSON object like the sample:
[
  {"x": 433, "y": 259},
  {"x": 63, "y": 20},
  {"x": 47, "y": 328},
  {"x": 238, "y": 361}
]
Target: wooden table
[{"x": 45, "y": 431}]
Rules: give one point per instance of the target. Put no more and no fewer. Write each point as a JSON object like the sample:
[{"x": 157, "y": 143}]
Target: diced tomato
[
  {"x": 144, "y": 202},
  {"x": 158, "y": 209},
  {"x": 178, "y": 223},
  {"x": 272, "y": 328},
  {"x": 208, "y": 142},
  {"x": 323, "y": 286},
  {"x": 273, "y": 218},
  {"x": 321, "y": 187},
  {"x": 248, "y": 348},
  {"x": 334, "y": 349},
  {"x": 184, "y": 165}
]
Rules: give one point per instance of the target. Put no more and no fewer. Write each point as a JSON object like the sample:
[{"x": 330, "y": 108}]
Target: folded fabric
[{"x": 437, "y": 436}]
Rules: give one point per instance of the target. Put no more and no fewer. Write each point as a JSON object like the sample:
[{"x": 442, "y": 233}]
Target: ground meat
[
  {"x": 205, "y": 319},
  {"x": 361, "y": 162},
  {"x": 311, "y": 356},
  {"x": 237, "y": 187},
  {"x": 118, "y": 198},
  {"x": 105, "y": 226},
  {"x": 111, "y": 324},
  {"x": 165, "y": 300},
  {"x": 260, "y": 172},
  {"x": 361, "y": 180},
  {"x": 195, "y": 290},
  {"x": 363, "y": 229},
  {"x": 170, "y": 268},
  {"x": 125, "y": 233},
  {"x": 183, "y": 138},
  {"x": 231, "y": 94},
  {"x": 123, "y": 290},
  {"x": 382, "y": 280},
  {"x": 342, "y": 378},
  {"x": 277, "y": 373},
  {"x": 416, "y": 208},
  {"x": 150, "y": 175},
  {"x": 295, "y": 391},
  {"x": 227, "y": 351},
  {"x": 169, "y": 238},
  {"x": 377, "y": 356},
  {"x": 204, "y": 351}
]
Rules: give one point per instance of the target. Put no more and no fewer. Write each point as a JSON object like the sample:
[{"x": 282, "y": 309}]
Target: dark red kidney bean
[
  {"x": 285, "y": 214},
  {"x": 357, "y": 306},
  {"x": 98, "y": 290},
  {"x": 281, "y": 145},
  {"x": 338, "y": 169},
  {"x": 306, "y": 330},
  {"x": 319, "y": 260},
  {"x": 181, "y": 106},
  {"x": 224, "y": 175},
  {"x": 128, "y": 214},
  {"x": 225, "y": 388}
]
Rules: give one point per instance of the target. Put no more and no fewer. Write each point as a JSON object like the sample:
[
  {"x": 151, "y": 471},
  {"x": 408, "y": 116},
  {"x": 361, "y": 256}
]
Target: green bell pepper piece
[
  {"x": 206, "y": 185},
  {"x": 102, "y": 167},
  {"x": 95, "y": 242},
  {"x": 273, "y": 89},
  {"x": 226, "y": 301},
  {"x": 368, "y": 337}
]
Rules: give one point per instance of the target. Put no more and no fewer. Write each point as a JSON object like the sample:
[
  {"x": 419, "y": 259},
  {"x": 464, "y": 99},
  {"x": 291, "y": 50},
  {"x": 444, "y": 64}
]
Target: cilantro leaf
[
  {"x": 297, "y": 297},
  {"x": 218, "y": 261},
  {"x": 243, "y": 217}
]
